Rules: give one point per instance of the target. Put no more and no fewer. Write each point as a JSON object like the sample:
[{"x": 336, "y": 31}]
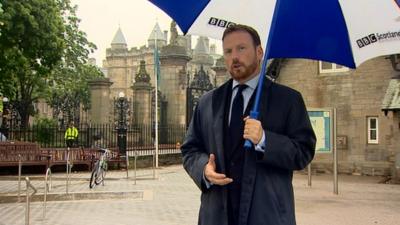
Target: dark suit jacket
[{"x": 267, "y": 192}]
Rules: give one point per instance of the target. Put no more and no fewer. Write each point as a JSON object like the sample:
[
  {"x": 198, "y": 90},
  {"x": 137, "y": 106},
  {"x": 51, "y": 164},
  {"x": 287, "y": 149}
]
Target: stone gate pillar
[
  {"x": 141, "y": 98},
  {"x": 222, "y": 74},
  {"x": 101, "y": 105},
  {"x": 173, "y": 82}
]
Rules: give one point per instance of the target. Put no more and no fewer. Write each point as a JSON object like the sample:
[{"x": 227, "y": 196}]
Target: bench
[
  {"x": 10, "y": 153},
  {"x": 32, "y": 155}
]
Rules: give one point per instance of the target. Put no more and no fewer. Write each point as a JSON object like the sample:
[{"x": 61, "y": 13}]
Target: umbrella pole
[{"x": 255, "y": 110}]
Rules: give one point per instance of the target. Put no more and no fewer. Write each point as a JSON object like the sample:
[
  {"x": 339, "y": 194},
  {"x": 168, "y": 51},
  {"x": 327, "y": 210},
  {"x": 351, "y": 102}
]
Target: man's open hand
[{"x": 212, "y": 176}]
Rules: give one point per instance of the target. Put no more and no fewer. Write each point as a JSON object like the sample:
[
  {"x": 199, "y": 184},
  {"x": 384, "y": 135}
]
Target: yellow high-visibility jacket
[{"x": 71, "y": 133}]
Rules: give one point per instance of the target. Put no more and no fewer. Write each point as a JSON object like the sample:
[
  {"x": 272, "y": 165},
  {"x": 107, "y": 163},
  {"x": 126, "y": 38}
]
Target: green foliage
[
  {"x": 1, "y": 12},
  {"x": 71, "y": 89},
  {"x": 78, "y": 47},
  {"x": 31, "y": 44},
  {"x": 70, "y": 80},
  {"x": 40, "y": 45},
  {"x": 45, "y": 130}
]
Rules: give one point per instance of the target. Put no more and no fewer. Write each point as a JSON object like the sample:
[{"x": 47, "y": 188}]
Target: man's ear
[{"x": 259, "y": 52}]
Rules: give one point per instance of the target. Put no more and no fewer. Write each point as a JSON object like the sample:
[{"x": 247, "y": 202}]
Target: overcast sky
[{"x": 100, "y": 20}]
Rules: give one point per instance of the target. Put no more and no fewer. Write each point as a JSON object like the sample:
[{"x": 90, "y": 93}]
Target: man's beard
[{"x": 243, "y": 72}]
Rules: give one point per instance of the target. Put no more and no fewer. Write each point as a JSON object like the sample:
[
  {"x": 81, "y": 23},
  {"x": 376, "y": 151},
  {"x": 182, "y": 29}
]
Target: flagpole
[{"x": 156, "y": 97}]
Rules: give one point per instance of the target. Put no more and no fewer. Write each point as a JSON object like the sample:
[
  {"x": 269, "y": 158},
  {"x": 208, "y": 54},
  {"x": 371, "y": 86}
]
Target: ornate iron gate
[{"x": 199, "y": 85}]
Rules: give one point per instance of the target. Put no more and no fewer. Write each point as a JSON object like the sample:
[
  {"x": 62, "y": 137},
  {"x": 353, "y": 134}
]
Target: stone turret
[
  {"x": 119, "y": 41},
  {"x": 157, "y": 37},
  {"x": 118, "y": 69},
  {"x": 201, "y": 54}
]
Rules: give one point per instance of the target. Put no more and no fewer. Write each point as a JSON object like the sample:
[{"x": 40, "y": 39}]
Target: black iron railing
[{"x": 99, "y": 135}]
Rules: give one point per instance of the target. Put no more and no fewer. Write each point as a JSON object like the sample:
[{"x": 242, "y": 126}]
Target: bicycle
[{"x": 99, "y": 169}]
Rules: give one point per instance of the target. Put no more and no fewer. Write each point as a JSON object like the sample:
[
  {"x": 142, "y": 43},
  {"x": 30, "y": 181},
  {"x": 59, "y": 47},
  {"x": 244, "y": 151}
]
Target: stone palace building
[
  {"x": 132, "y": 71},
  {"x": 366, "y": 99}
]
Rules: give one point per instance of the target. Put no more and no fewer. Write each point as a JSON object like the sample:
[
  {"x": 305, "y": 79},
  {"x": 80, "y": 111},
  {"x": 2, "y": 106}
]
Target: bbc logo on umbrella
[
  {"x": 220, "y": 22},
  {"x": 367, "y": 40}
]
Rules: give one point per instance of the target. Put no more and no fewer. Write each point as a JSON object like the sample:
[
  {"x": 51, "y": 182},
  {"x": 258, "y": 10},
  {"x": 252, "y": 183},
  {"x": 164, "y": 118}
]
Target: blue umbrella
[{"x": 339, "y": 31}]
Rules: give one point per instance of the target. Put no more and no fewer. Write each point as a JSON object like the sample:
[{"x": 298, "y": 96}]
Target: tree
[
  {"x": 1, "y": 12},
  {"x": 5, "y": 87},
  {"x": 32, "y": 44},
  {"x": 39, "y": 38},
  {"x": 70, "y": 90},
  {"x": 70, "y": 79}
]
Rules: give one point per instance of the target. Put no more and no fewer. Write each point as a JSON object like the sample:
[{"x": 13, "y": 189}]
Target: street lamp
[{"x": 122, "y": 106}]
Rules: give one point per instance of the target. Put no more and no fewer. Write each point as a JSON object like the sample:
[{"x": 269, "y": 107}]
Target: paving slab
[{"x": 173, "y": 199}]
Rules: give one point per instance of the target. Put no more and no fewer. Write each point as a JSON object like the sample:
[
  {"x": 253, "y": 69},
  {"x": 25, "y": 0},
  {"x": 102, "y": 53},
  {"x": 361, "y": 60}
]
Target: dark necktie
[{"x": 236, "y": 125}]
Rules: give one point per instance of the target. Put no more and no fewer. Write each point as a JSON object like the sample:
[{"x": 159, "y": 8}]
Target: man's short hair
[{"x": 240, "y": 27}]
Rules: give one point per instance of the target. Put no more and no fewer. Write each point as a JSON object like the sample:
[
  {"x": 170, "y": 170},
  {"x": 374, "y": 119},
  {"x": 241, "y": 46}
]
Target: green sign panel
[{"x": 321, "y": 121}]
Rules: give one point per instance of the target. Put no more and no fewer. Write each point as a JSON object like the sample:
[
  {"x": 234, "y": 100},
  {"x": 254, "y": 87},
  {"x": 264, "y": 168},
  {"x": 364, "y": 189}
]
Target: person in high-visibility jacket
[{"x": 71, "y": 134}]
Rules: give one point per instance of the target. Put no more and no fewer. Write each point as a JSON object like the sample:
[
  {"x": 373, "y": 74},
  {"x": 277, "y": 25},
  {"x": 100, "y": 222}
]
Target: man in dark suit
[{"x": 240, "y": 186}]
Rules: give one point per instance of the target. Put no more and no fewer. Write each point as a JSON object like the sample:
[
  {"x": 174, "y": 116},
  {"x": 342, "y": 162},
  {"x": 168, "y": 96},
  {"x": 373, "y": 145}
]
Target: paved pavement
[{"x": 173, "y": 199}]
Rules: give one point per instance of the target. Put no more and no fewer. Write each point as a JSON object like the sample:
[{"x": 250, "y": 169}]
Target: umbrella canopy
[
  {"x": 346, "y": 32},
  {"x": 338, "y": 31}
]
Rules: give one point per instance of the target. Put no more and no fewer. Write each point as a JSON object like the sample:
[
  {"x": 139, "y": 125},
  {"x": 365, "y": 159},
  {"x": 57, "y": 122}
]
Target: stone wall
[
  {"x": 122, "y": 69},
  {"x": 356, "y": 94}
]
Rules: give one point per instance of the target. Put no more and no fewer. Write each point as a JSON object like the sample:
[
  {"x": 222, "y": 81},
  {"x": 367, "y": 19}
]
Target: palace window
[
  {"x": 372, "y": 130},
  {"x": 326, "y": 67}
]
